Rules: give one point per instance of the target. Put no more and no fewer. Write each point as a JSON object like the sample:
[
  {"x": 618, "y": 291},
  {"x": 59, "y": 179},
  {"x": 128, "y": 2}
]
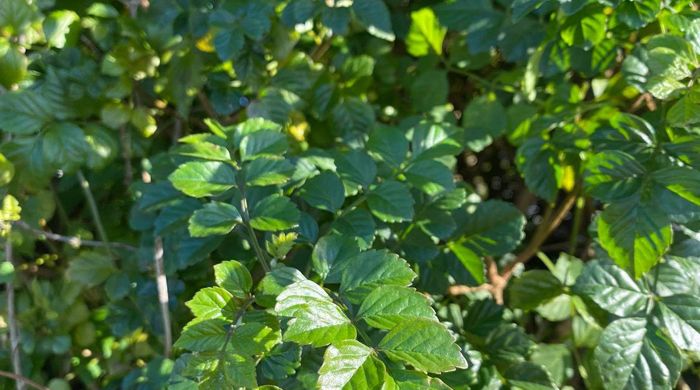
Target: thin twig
[
  {"x": 125, "y": 140},
  {"x": 85, "y": 185},
  {"x": 20, "y": 378},
  {"x": 74, "y": 241},
  {"x": 206, "y": 104},
  {"x": 320, "y": 50},
  {"x": 12, "y": 322},
  {"x": 162, "y": 285},
  {"x": 246, "y": 221}
]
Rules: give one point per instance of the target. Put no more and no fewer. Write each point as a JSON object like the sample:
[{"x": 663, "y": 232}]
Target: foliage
[{"x": 351, "y": 194}]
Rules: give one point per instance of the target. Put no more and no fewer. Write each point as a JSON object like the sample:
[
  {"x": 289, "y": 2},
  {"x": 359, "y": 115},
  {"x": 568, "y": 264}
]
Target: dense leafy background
[{"x": 351, "y": 194}]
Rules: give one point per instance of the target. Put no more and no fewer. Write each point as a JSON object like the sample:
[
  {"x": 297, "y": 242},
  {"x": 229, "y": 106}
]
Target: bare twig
[
  {"x": 74, "y": 241},
  {"x": 320, "y": 50},
  {"x": 206, "y": 104},
  {"x": 12, "y": 322},
  {"x": 85, "y": 185},
  {"x": 20, "y": 378},
  {"x": 162, "y": 285}
]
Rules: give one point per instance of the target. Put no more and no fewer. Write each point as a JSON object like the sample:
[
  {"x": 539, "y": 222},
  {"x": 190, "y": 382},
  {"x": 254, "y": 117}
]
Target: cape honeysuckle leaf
[
  {"x": 534, "y": 288},
  {"x": 90, "y": 268},
  {"x": 635, "y": 234},
  {"x": 508, "y": 343},
  {"x": 357, "y": 168},
  {"x": 426, "y": 345},
  {"x": 209, "y": 148},
  {"x": 255, "y": 338},
  {"x": 486, "y": 113},
  {"x": 633, "y": 354},
  {"x": 281, "y": 362},
  {"x": 425, "y": 33},
  {"x": 222, "y": 371},
  {"x": 212, "y": 302},
  {"x": 471, "y": 261},
  {"x": 267, "y": 172},
  {"x": 374, "y": 15},
  {"x": 203, "y": 178},
  {"x": 175, "y": 216},
  {"x": 371, "y": 269},
  {"x": 316, "y": 319},
  {"x": 637, "y": 14},
  {"x": 391, "y": 201},
  {"x": 682, "y": 181},
  {"x": 214, "y": 218},
  {"x": 388, "y": 306},
  {"x": 680, "y": 315},
  {"x": 432, "y": 140},
  {"x": 613, "y": 175},
  {"x": 684, "y": 112},
  {"x": 676, "y": 275},
  {"x": 612, "y": 288},
  {"x": 430, "y": 176},
  {"x": 64, "y": 146},
  {"x": 274, "y": 213},
  {"x": 332, "y": 255},
  {"x": 389, "y": 145},
  {"x": 493, "y": 228},
  {"x": 234, "y": 278},
  {"x": 205, "y": 335},
  {"x": 349, "y": 365},
  {"x": 557, "y": 360},
  {"x": 263, "y": 143},
  {"x": 529, "y": 376},
  {"x": 539, "y": 164},
  {"x": 274, "y": 283},
  {"x": 324, "y": 192},
  {"x": 585, "y": 28},
  {"x": 357, "y": 224},
  {"x": 24, "y": 112}
]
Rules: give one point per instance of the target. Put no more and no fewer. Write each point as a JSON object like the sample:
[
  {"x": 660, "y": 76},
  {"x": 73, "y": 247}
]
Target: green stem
[
  {"x": 353, "y": 205},
  {"x": 573, "y": 243},
  {"x": 237, "y": 317},
  {"x": 253, "y": 237},
  {"x": 85, "y": 185},
  {"x": 547, "y": 261}
]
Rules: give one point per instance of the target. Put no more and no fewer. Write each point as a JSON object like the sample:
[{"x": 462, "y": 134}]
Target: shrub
[{"x": 355, "y": 194}]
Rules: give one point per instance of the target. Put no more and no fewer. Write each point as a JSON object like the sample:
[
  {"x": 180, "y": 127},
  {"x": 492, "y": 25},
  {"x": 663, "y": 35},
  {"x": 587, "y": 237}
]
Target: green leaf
[
  {"x": 523, "y": 7},
  {"x": 388, "y": 306},
  {"x": 176, "y": 215},
  {"x": 635, "y": 234},
  {"x": 90, "y": 269},
  {"x": 13, "y": 63},
  {"x": 613, "y": 175},
  {"x": 234, "y": 278},
  {"x": 17, "y": 15},
  {"x": 534, "y": 288},
  {"x": 585, "y": 28},
  {"x": 612, "y": 288},
  {"x": 680, "y": 315},
  {"x": 424, "y": 344},
  {"x": 7, "y": 170},
  {"x": 255, "y": 338},
  {"x": 267, "y": 172},
  {"x": 487, "y": 115},
  {"x": 538, "y": 162},
  {"x": 212, "y": 302},
  {"x": 432, "y": 140},
  {"x": 425, "y": 33},
  {"x": 430, "y": 176},
  {"x": 356, "y": 168},
  {"x": 357, "y": 224},
  {"x": 634, "y": 355},
  {"x": 274, "y": 283},
  {"x": 471, "y": 261},
  {"x": 324, "y": 192},
  {"x": 684, "y": 112},
  {"x": 7, "y": 272},
  {"x": 637, "y": 14},
  {"x": 316, "y": 319},
  {"x": 352, "y": 116},
  {"x": 529, "y": 376},
  {"x": 222, "y": 371},
  {"x": 214, "y": 218},
  {"x": 281, "y": 362},
  {"x": 274, "y": 213},
  {"x": 203, "y": 178},
  {"x": 331, "y": 256},
  {"x": 202, "y": 336},
  {"x": 389, "y": 145},
  {"x": 57, "y": 26},
  {"x": 557, "y": 360},
  {"x": 263, "y": 143},
  {"x": 374, "y": 15},
  {"x": 430, "y": 89},
  {"x": 508, "y": 343},
  {"x": 371, "y": 269},
  {"x": 64, "y": 146},
  {"x": 229, "y": 43},
  {"x": 391, "y": 201},
  {"x": 493, "y": 228},
  {"x": 350, "y": 365}
]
